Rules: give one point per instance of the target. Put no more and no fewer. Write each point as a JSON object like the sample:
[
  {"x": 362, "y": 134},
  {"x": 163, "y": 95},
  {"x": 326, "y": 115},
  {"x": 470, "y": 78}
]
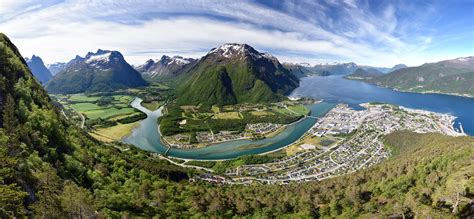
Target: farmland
[
  {"x": 107, "y": 118},
  {"x": 188, "y": 126}
]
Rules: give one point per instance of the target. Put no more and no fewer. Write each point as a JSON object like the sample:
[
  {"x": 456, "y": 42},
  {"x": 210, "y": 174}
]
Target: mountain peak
[
  {"x": 104, "y": 70},
  {"x": 38, "y": 68},
  {"x": 234, "y": 49},
  {"x": 102, "y": 56},
  {"x": 239, "y": 51},
  {"x": 164, "y": 67}
]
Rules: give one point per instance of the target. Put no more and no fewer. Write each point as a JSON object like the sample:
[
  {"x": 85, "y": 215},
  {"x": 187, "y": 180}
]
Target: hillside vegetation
[
  {"x": 450, "y": 77},
  {"x": 235, "y": 73}
]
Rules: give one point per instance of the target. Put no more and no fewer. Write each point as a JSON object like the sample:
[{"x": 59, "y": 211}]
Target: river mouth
[
  {"x": 147, "y": 137},
  {"x": 333, "y": 90}
]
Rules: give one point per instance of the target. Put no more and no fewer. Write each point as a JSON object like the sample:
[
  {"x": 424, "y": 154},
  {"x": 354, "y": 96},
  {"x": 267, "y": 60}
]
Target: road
[
  {"x": 83, "y": 120},
  {"x": 184, "y": 165}
]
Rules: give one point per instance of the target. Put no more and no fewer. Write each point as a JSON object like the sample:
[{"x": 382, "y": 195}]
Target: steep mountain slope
[
  {"x": 39, "y": 70},
  {"x": 450, "y": 77},
  {"x": 297, "y": 70},
  {"x": 96, "y": 72},
  {"x": 166, "y": 67},
  {"x": 56, "y": 67},
  {"x": 48, "y": 167},
  {"x": 364, "y": 74},
  {"x": 236, "y": 73},
  {"x": 304, "y": 70}
]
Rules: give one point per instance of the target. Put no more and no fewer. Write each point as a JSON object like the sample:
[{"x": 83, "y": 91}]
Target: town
[{"x": 358, "y": 145}]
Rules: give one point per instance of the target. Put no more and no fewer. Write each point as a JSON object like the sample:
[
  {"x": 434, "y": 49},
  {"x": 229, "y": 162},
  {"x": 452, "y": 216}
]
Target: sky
[{"x": 376, "y": 32}]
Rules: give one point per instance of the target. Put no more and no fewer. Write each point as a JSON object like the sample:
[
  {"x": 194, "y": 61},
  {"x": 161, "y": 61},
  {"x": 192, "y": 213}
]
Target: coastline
[
  {"x": 407, "y": 90},
  {"x": 430, "y": 92}
]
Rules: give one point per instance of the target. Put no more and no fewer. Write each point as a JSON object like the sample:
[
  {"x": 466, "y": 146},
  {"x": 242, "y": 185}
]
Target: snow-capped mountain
[
  {"x": 56, "y": 67},
  {"x": 103, "y": 70},
  {"x": 235, "y": 73},
  {"x": 165, "y": 67},
  {"x": 38, "y": 69},
  {"x": 238, "y": 51}
]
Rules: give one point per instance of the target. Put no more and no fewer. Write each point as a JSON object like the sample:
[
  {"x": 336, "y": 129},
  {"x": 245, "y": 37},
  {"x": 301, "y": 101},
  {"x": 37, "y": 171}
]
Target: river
[{"x": 333, "y": 90}]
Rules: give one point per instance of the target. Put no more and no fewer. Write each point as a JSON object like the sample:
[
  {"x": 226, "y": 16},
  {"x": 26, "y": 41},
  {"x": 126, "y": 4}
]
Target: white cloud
[{"x": 59, "y": 32}]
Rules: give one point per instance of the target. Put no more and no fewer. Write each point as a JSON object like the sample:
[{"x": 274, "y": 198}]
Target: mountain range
[
  {"x": 303, "y": 70},
  {"x": 236, "y": 73},
  {"x": 38, "y": 68},
  {"x": 334, "y": 69},
  {"x": 165, "y": 67},
  {"x": 52, "y": 169},
  {"x": 454, "y": 76},
  {"x": 101, "y": 71}
]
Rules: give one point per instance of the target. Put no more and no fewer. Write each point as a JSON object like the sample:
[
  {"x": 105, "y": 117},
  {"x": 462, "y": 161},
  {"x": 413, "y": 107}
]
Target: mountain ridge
[
  {"x": 454, "y": 76},
  {"x": 165, "y": 67},
  {"x": 39, "y": 70},
  {"x": 235, "y": 73},
  {"x": 104, "y": 70}
]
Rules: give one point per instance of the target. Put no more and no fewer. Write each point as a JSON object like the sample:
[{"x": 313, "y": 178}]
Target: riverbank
[{"x": 147, "y": 137}]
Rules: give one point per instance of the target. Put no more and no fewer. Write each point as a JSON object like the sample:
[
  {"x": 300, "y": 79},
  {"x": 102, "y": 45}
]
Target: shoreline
[
  {"x": 409, "y": 91},
  {"x": 148, "y": 112}
]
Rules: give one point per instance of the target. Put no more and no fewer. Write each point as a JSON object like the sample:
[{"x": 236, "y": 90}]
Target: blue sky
[{"x": 378, "y": 33}]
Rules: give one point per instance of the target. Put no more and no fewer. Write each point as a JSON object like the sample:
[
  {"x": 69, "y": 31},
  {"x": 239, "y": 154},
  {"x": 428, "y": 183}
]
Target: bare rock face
[
  {"x": 101, "y": 71},
  {"x": 166, "y": 66}
]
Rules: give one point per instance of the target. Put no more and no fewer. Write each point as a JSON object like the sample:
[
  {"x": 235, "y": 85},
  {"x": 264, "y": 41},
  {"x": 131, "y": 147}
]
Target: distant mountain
[
  {"x": 236, "y": 73},
  {"x": 364, "y": 74},
  {"x": 300, "y": 71},
  {"x": 97, "y": 72},
  {"x": 56, "y": 67},
  {"x": 334, "y": 69},
  {"x": 303, "y": 70},
  {"x": 165, "y": 67},
  {"x": 454, "y": 76},
  {"x": 384, "y": 69},
  {"x": 398, "y": 67},
  {"x": 38, "y": 69}
]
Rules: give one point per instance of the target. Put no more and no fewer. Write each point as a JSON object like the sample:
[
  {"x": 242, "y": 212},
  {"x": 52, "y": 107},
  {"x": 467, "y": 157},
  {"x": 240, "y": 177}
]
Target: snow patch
[{"x": 98, "y": 58}]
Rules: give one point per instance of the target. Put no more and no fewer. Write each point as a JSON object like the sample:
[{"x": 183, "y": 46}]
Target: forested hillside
[
  {"x": 235, "y": 73},
  {"x": 49, "y": 168},
  {"x": 454, "y": 77}
]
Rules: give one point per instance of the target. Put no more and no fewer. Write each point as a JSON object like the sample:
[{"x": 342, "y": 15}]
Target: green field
[
  {"x": 153, "y": 105},
  {"x": 294, "y": 109},
  {"x": 300, "y": 109},
  {"x": 108, "y": 113},
  {"x": 81, "y": 98},
  {"x": 90, "y": 107},
  {"x": 108, "y": 118},
  {"x": 84, "y": 107}
]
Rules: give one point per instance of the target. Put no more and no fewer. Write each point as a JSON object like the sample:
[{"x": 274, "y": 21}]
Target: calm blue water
[
  {"x": 333, "y": 90},
  {"x": 146, "y": 137},
  {"x": 336, "y": 89}
]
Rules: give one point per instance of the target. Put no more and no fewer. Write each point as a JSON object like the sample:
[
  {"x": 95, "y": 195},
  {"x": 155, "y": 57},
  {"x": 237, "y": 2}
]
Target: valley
[
  {"x": 236, "y": 109},
  {"x": 192, "y": 126}
]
